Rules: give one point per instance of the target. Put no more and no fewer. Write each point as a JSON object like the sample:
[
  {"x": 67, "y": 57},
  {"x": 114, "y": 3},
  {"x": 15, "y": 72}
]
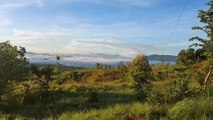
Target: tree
[
  {"x": 12, "y": 63},
  {"x": 181, "y": 57},
  {"x": 187, "y": 57},
  {"x": 34, "y": 70},
  {"x": 46, "y": 72},
  {"x": 190, "y": 55},
  {"x": 58, "y": 58},
  {"x": 57, "y": 67},
  {"x": 123, "y": 67},
  {"x": 99, "y": 66},
  {"x": 206, "y": 17},
  {"x": 140, "y": 72},
  {"x": 199, "y": 55}
]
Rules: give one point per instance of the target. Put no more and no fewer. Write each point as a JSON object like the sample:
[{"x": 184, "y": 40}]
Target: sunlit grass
[{"x": 117, "y": 112}]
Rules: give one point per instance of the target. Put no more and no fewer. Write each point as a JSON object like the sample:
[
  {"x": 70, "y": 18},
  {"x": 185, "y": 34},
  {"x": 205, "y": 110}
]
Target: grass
[
  {"x": 73, "y": 97},
  {"x": 196, "y": 109},
  {"x": 108, "y": 100},
  {"x": 117, "y": 112},
  {"x": 188, "y": 109}
]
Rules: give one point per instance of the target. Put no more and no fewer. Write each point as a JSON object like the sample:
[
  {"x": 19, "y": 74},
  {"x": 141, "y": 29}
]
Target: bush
[
  {"x": 26, "y": 93},
  {"x": 15, "y": 93},
  {"x": 140, "y": 73},
  {"x": 177, "y": 91},
  {"x": 155, "y": 97}
]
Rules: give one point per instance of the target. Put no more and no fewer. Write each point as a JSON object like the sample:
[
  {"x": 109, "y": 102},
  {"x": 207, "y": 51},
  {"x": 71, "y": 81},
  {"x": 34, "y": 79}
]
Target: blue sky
[{"x": 124, "y": 27}]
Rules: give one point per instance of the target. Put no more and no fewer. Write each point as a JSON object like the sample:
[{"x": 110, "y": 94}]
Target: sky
[{"x": 115, "y": 27}]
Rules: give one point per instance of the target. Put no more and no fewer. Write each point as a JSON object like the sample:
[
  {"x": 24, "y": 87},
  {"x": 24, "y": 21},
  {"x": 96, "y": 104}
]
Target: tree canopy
[
  {"x": 140, "y": 71},
  {"x": 12, "y": 62},
  {"x": 206, "y": 17}
]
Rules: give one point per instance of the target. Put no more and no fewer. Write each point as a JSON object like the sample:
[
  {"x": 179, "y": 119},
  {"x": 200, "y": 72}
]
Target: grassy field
[
  {"x": 157, "y": 92},
  {"x": 115, "y": 100}
]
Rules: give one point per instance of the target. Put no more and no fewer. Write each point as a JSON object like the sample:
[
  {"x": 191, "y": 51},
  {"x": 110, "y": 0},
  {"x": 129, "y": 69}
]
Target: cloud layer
[
  {"x": 44, "y": 41},
  {"x": 116, "y": 27}
]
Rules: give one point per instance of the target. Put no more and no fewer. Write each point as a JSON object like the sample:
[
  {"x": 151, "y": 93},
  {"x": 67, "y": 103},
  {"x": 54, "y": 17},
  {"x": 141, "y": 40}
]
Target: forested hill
[{"x": 170, "y": 58}]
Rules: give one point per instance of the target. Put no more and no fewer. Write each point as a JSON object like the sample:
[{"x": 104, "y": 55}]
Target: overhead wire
[{"x": 175, "y": 27}]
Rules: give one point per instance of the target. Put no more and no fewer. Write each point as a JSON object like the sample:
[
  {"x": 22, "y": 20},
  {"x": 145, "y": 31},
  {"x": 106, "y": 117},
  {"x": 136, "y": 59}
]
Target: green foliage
[
  {"x": 163, "y": 73},
  {"x": 123, "y": 67},
  {"x": 157, "y": 112},
  {"x": 156, "y": 97},
  {"x": 117, "y": 112},
  {"x": 174, "y": 92},
  {"x": 46, "y": 72},
  {"x": 12, "y": 63},
  {"x": 160, "y": 76},
  {"x": 207, "y": 19},
  {"x": 80, "y": 75},
  {"x": 34, "y": 70},
  {"x": 205, "y": 44},
  {"x": 20, "y": 93},
  {"x": 140, "y": 72},
  {"x": 192, "y": 109},
  {"x": 57, "y": 66},
  {"x": 190, "y": 56},
  {"x": 103, "y": 93},
  {"x": 177, "y": 91},
  {"x": 102, "y": 66}
]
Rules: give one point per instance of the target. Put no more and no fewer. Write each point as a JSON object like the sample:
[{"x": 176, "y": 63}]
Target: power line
[{"x": 175, "y": 27}]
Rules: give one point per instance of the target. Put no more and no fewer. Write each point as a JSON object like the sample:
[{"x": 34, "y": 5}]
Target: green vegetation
[{"x": 135, "y": 91}]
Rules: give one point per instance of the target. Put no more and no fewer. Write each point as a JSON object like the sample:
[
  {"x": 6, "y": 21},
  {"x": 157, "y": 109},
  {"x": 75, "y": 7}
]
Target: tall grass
[
  {"x": 193, "y": 109},
  {"x": 117, "y": 112}
]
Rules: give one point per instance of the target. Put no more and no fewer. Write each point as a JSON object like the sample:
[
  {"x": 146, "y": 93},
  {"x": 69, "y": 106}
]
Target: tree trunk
[{"x": 206, "y": 80}]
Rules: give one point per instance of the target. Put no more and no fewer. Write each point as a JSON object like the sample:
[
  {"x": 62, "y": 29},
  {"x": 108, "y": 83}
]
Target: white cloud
[
  {"x": 108, "y": 46},
  {"x": 4, "y": 4},
  {"x": 60, "y": 41},
  {"x": 36, "y": 38},
  {"x": 13, "y": 4}
]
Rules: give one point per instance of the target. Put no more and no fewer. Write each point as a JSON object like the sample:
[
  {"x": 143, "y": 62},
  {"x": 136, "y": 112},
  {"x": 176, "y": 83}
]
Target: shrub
[
  {"x": 140, "y": 72},
  {"x": 177, "y": 91},
  {"x": 155, "y": 97}
]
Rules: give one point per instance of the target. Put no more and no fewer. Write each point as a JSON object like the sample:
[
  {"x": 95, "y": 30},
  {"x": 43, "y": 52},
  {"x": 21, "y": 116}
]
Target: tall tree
[
  {"x": 12, "y": 62},
  {"x": 206, "y": 17}
]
